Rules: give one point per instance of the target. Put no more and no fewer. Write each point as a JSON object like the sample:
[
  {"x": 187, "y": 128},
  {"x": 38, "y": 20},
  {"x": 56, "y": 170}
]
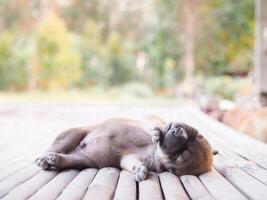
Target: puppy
[
  {"x": 136, "y": 146},
  {"x": 183, "y": 150}
]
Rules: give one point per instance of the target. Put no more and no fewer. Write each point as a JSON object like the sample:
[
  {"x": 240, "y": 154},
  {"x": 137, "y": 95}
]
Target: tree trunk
[
  {"x": 261, "y": 50},
  {"x": 189, "y": 9}
]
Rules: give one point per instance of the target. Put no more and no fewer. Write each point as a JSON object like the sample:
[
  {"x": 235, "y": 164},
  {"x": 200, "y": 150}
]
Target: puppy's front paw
[
  {"x": 155, "y": 135},
  {"x": 140, "y": 173}
]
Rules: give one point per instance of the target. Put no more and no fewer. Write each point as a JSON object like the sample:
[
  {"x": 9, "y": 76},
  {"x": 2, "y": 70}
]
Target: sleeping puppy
[
  {"x": 182, "y": 149},
  {"x": 136, "y": 146}
]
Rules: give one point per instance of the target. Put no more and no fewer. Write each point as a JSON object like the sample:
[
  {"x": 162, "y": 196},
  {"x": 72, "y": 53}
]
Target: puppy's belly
[{"x": 101, "y": 151}]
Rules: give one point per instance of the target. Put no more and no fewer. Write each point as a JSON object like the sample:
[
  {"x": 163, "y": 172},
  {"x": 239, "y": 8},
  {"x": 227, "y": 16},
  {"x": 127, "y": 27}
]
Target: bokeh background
[{"x": 113, "y": 48}]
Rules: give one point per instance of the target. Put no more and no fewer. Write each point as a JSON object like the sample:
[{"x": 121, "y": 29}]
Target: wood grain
[
  {"x": 11, "y": 182},
  {"x": 219, "y": 187},
  {"x": 126, "y": 188},
  {"x": 78, "y": 186},
  {"x": 195, "y": 188},
  {"x": 250, "y": 186},
  {"x": 150, "y": 188},
  {"x": 104, "y": 184},
  {"x": 53, "y": 188},
  {"x": 28, "y": 188},
  {"x": 172, "y": 187}
]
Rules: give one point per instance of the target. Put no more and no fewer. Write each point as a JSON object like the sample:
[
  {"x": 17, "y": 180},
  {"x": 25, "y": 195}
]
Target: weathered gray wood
[
  {"x": 230, "y": 135},
  {"x": 195, "y": 188},
  {"x": 126, "y": 188},
  {"x": 150, "y": 188},
  {"x": 6, "y": 172},
  {"x": 254, "y": 170},
  {"x": 227, "y": 150},
  {"x": 78, "y": 186},
  {"x": 26, "y": 189},
  {"x": 172, "y": 187},
  {"x": 103, "y": 185},
  {"x": 10, "y": 163},
  {"x": 242, "y": 153},
  {"x": 239, "y": 143},
  {"x": 54, "y": 187},
  {"x": 11, "y": 182},
  {"x": 249, "y": 186},
  {"x": 219, "y": 187}
]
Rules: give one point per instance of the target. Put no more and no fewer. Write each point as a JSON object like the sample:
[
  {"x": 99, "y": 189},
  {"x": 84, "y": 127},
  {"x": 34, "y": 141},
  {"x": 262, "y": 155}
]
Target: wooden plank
[
  {"x": 219, "y": 187},
  {"x": 195, "y": 188},
  {"x": 8, "y": 171},
  {"x": 241, "y": 144},
  {"x": 11, "y": 182},
  {"x": 249, "y": 186},
  {"x": 126, "y": 188},
  {"x": 9, "y": 163},
  {"x": 104, "y": 184},
  {"x": 28, "y": 188},
  {"x": 253, "y": 169},
  {"x": 226, "y": 150},
  {"x": 150, "y": 188},
  {"x": 53, "y": 188},
  {"x": 247, "y": 166},
  {"x": 233, "y": 137},
  {"x": 78, "y": 186},
  {"x": 172, "y": 187}
]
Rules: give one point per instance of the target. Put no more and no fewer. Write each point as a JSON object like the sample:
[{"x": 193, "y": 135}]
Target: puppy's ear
[{"x": 191, "y": 132}]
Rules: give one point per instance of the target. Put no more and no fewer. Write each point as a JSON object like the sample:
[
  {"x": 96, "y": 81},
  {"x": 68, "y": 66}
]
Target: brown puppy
[
  {"x": 135, "y": 146},
  {"x": 183, "y": 150}
]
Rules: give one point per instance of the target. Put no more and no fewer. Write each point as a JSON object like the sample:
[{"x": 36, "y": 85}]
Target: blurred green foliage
[
  {"x": 112, "y": 43},
  {"x": 13, "y": 62},
  {"x": 104, "y": 61},
  {"x": 226, "y": 43},
  {"x": 59, "y": 62}
]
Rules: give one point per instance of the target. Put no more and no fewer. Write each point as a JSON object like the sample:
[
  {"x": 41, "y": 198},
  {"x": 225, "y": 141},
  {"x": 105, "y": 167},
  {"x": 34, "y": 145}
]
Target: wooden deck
[{"x": 240, "y": 169}]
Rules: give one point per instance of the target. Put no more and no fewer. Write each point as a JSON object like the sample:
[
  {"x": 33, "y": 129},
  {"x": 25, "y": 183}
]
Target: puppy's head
[{"x": 175, "y": 138}]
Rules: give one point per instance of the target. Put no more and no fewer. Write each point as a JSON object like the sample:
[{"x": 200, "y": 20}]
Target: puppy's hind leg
[
  {"x": 63, "y": 143},
  {"x": 133, "y": 164},
  {"x": 69, "y": 139},
  {"x": 74, "y": 160}
]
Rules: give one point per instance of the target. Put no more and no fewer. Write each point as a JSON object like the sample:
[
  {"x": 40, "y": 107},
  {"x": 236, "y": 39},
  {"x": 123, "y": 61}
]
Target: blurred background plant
[{"x": 143, "y": 48}]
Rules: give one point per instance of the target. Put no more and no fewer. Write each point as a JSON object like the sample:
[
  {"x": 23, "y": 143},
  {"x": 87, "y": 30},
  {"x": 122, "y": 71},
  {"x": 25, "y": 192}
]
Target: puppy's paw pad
[
  {"x": 51, "y": 158},
  {"x": 155, "y": 135},
  {"x": 140, "y": 173},
  {"x": 42, "y": 163}
]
